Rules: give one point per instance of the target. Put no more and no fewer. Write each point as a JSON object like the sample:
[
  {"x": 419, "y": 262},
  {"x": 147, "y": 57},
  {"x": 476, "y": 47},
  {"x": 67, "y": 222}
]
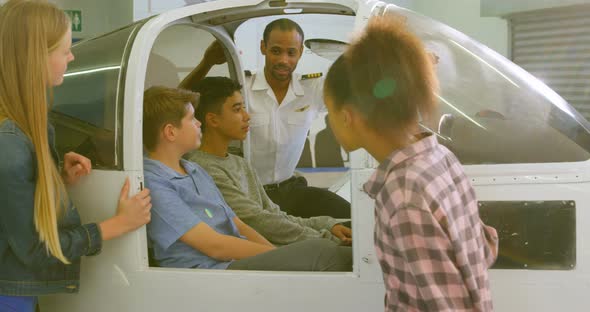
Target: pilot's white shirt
[{"x": 278, "y": 132}]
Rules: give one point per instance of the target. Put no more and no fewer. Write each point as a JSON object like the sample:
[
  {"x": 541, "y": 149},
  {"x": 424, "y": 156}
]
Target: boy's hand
[{"x": 343, "y": 233}]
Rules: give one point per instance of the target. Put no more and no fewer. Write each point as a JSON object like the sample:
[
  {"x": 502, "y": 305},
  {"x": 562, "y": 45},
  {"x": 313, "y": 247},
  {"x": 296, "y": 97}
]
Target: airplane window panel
[
  {"x": 491, "y": 110},
  {"x": 536, "y": 235},
  {"x": 86, "y": 111},
  {"x": 176, "y": 52}
]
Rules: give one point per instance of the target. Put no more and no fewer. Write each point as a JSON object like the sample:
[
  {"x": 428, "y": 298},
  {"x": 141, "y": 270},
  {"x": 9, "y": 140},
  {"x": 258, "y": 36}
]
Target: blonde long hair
[{"x": 29, "y": 31}]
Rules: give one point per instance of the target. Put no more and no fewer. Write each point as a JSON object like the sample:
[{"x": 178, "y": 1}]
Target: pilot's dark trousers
[
  {"x": 308, "y": 255},
  {"x": 297, "y": 199}
]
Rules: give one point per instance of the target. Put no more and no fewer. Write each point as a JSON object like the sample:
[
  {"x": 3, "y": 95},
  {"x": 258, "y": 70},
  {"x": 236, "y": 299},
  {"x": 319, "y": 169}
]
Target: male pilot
[{"x": 282, "y": 105}]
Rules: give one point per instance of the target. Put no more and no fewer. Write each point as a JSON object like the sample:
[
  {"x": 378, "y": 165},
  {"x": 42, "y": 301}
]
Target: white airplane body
[{"x": 523, "y": 147}]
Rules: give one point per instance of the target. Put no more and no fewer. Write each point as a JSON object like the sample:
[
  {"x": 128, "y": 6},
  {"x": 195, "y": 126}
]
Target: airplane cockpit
[{"x": 525, "y": 149}]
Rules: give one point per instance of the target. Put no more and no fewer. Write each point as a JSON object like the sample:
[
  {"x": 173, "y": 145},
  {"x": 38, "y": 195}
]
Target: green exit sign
[{"x": 76, "y": 18}]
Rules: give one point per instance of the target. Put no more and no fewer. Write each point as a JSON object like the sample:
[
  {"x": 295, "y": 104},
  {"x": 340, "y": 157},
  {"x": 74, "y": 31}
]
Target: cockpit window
[
  {"x": 87, "y": 107},
  {"x": 176, "y": 52},
  {"x": 491, "y": 110},
  {"x": 326, "y": 48}
]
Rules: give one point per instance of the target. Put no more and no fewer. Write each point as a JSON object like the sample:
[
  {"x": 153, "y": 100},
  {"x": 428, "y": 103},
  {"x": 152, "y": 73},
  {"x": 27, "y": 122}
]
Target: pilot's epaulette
[
  {"x": 311, "y": 76},
  {"x": 248, "y": 73}
]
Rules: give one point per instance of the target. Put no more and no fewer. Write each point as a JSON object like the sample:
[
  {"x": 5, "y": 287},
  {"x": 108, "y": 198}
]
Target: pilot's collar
[{"x": 260, "y": 83}]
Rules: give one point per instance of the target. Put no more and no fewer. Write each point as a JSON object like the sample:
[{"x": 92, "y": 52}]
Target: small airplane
[{"x": 524, "y": 148}]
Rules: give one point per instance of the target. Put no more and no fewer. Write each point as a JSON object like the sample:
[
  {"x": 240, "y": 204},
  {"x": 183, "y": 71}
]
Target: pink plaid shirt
[{"x": 432, "y": 246}]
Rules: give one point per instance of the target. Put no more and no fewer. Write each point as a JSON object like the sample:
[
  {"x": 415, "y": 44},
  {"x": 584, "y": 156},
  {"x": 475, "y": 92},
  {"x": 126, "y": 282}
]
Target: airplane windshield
[{"x": 491, "y": 110}]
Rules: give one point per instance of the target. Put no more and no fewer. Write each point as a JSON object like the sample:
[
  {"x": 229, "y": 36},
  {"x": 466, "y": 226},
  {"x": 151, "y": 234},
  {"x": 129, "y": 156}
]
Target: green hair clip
[{"x": 384, "y": 88}]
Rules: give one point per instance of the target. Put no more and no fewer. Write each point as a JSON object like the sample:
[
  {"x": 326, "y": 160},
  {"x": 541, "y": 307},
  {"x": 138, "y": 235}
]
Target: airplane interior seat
[
  {"x": 305, "y": 160},
  {"x": 327, "y": 150},
  {"x": 503, "y": 141},
  {"x": 161, "y": 72}
]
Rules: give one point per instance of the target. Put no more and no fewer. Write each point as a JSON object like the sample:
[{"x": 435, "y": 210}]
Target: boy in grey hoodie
[{"x": 224, "y": 119}]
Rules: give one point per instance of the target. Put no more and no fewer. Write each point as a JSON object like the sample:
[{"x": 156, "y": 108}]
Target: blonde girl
[{"x": 41, "y": 236}]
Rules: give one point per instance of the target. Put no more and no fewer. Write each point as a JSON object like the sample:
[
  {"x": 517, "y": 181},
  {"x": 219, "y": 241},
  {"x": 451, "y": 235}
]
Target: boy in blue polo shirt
[{"x": 192, "y": 226}]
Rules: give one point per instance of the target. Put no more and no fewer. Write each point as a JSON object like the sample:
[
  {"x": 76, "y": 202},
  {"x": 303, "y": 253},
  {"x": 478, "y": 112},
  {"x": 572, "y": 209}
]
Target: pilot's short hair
[
  {"x": 162, "y": 106},
  {"x": 283, "y": 24},
  {"x": 214, "y": 91}
]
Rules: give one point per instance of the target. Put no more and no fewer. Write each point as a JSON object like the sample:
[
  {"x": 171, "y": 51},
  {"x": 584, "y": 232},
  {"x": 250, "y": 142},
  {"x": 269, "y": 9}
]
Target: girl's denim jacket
[{"x": 26, "y": 266}]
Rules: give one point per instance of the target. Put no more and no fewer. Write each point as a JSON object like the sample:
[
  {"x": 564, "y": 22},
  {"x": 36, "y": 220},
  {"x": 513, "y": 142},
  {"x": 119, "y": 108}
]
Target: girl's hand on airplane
[
  {"x": 131, "y": 213},
  {"x": 75, "y": 167},
  {"x": 135, "y": 211}
]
